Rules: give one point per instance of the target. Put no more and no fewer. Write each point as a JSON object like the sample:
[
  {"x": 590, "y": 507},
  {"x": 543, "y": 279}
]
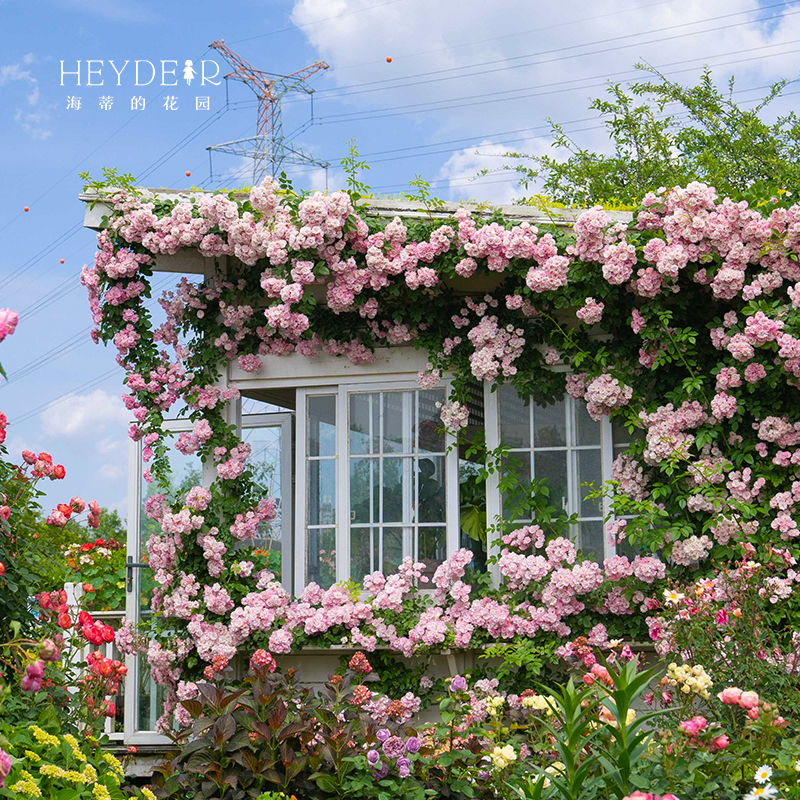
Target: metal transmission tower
[{"x": 269, "y": 148}]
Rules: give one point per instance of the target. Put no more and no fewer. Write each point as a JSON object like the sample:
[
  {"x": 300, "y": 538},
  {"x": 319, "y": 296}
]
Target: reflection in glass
[
  {"x": 432, "y": 547},
  {"x": 589, "y": 472},
  {"x": 591, "y": 539},
  {"x": 364, "y": 423},
  {"x": 266, "y": 442},
  {"x": 322, "y": 492},
  {"x": 322, "y": 425},
  {"x": 431, "y": 504},
  {"x": 430, "y": 433},
  {"x": 392, "y": 550},
  {"x": 515, "y": 430},
  {"x": 363, "y": 494},
  {"x": 550, "y": 425},
  {"x": 588, "y": 430},
  {"x": 551, "y": 466},
  {"x": 321, "y": 556}
]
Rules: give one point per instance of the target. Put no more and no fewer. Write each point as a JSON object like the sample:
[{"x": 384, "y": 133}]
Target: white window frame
[
  {"x": 493, "y": 498},
  {"x": 341, "y": 523},
  {"x": 283, "y": 420}
]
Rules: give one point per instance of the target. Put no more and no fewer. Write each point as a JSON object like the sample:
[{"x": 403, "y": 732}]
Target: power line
[
  {"x": 382, "y": 84},
  {"x": 79, "y": 339},
  {"x": 562, "y": 86},
  {"x": 79, "y": 226},
  {"x": 570, "y": 23}
]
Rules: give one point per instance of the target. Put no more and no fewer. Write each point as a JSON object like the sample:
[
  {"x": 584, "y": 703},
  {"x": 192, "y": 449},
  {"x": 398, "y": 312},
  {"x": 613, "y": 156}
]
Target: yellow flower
[
  {"x": 501, "y": 757},
  {"x": 43, "y": 737},
  {"x": 494, "y": 704},
  {"x": 31, "y": 756},
  {"x": 52, "y": 771},
  {"x": 114, "y": 763},
  {"x": 27, "y": 785},
  {"x": 90, "y": 773},
  {"x": 100, "y": 792},
  {"x": 73, "y": 776},
  {"x": 147, "y": 794},
  {"x": 537, "y": 702},
  {"x": 73, "y": 743}
]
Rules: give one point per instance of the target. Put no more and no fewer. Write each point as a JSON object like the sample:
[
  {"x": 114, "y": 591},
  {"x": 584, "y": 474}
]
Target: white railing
[{"x": 114, "y": 726}]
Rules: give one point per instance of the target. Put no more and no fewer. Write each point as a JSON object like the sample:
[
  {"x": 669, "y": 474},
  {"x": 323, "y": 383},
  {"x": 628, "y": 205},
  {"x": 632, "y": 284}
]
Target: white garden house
[{"x": 362, "y": 472}]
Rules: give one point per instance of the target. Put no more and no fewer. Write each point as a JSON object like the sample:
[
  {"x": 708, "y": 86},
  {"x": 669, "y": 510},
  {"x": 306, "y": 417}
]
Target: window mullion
[
  {"x": 493, "y": 500},
  {"x": 342, "y": 459},
  {"x": 607, "y": 462}
]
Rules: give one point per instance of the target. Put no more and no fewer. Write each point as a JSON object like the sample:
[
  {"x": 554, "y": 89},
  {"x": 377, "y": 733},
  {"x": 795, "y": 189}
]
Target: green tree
[{"x": 666, "y": 134}]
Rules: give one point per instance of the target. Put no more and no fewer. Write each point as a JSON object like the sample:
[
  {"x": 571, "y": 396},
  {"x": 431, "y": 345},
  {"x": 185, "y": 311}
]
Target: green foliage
[
  {"x": 352, "y": 166},
  {"x": 521, "y": 661},
  {"x": 705, "y": 136},
  {"x": 112, "y": 179}
]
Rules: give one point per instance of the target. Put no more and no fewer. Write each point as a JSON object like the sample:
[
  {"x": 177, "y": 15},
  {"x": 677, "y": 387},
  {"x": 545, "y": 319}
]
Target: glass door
[{"x": 270, "y": 437}]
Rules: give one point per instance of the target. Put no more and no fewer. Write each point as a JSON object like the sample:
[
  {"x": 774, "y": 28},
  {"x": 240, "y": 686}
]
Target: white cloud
[
  {"x": 30, "y": 121},
  {"x": 457, "y": 177},
  {"x": 512, "y": 64},
  {"x": 80, "y": 415}
]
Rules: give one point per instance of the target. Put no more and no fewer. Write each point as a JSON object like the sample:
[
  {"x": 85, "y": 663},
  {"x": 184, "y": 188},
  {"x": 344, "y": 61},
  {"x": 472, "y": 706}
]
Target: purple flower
[
  {"x": 458, "y": 684},
  {"x": 373, "y": 757},
  {"x": 403, "y": 767},
  {"x": 381, "y": 770},
  {"x": 393, "y": 747},
  {"x": 412, "y": 744},
  {"x": 382, "y": 735}
]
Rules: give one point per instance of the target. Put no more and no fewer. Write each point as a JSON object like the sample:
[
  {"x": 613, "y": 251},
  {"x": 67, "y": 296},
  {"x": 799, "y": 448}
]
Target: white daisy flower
[
  {"x": 763, "y": 774},
  {"x": 761, "y": 792}
]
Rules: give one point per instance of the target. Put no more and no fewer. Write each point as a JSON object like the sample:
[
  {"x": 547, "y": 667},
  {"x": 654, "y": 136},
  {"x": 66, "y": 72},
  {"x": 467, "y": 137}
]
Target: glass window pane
[
  {"x": 551, "y": 466},
  {"x": 392, "y": 550},
  {"x": 620, "y": 435},
  {"x": 151, "y": 697},
  {"x": 550, "y": 425},
  {"x": 431, "y": 489},
  {"x": 591, "y": 539},
  {"x": 322, "y": 425},
  {"x": 364, "y": 423},
  {"x": 431, "y": 548},
  {"x": 321, "y": 557},
  {"x": 187, "y": 471},
  {"x": 515, "y": 480},
  {"x": 396, "y": 489},
  {"x": 397, "y": 409},
  {"x": 431, "y": 429},
  {"x": 363, "y": 556},
  {"x": 363, "y": 490},
  {"x": 587, "y": 429},
  {"x": 514, "y": 418},
  {"x": 589, "y": 471},
  {"x": 265, "y": 458},
  {"x": 322, "y": 492}
]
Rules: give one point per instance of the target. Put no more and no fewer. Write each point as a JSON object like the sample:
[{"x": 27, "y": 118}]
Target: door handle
[{"x": 130, "y": 565}]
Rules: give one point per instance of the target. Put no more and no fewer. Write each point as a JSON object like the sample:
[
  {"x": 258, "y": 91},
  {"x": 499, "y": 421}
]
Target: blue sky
[{"x": 467, "y": 81}]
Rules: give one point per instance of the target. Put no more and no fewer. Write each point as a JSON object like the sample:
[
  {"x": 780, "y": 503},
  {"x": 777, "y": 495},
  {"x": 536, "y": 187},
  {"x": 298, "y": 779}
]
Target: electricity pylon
[{"x": 269, "y": 148}]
